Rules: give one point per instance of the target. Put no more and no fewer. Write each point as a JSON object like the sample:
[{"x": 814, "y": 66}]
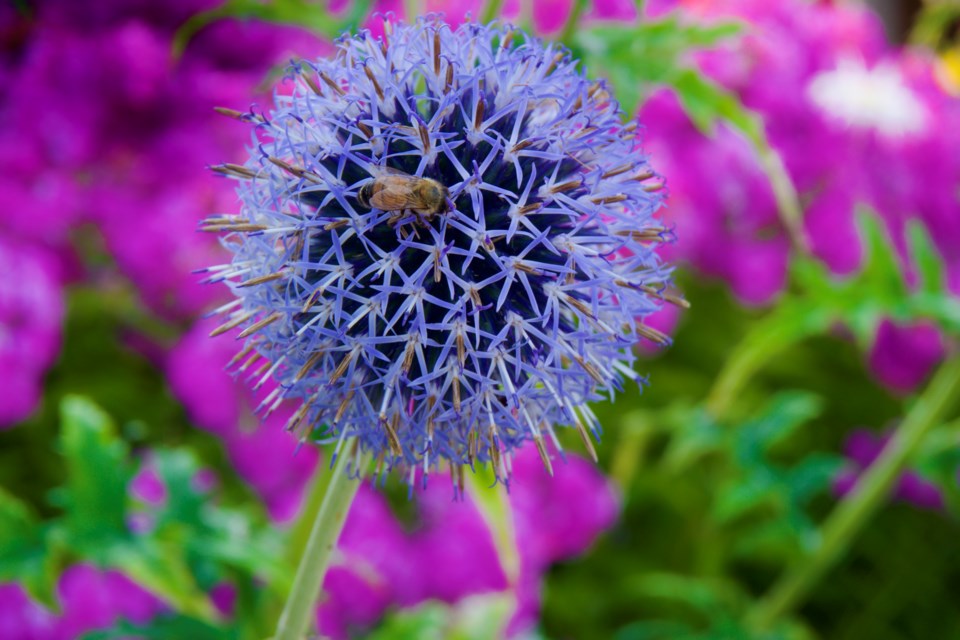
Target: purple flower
[
  {"x": 723, "y": 218},
  {"x": 127, "y": 151},
  {"x": 862, "y": 448},
  {"x": 553, "y": 519},
  {"x": 90, "y": 599},
  {"x": 490, "y": 317},
  {"x": 902, "y": 357},
  {"x": 376, "y": 568},
  {"x": 547, "y": 16},
  {"x": 21, "y": 618},
  {"x": 727, "y": 220},
  {"x": 454, "y": 535},
  {"x": 31, "y": 317},
  {"x": 822, "y": 77}
]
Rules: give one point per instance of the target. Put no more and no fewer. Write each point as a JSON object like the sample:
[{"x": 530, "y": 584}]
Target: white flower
[{"x": 866, "y": 98}]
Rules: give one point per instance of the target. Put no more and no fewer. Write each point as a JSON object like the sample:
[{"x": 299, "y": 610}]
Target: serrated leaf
[
  {"x": 813, "y": 475},
  {"x": 234, "y": 542},
  {"x": 161, "y": 568},
  {"x": 178, "y": 471},
  {"x": 932, "y": 278},
  {"x": 648, "y": 53},
  {"x": 302, "y": 13},
  {"x": 24, "y": 555},
  {"x": 95, "y": 495},
  {"x": 741, "y": 497},
  {"x": 779, "y": 419},
  {"x": 165, "y": 627},
  {"x": 696, "y": 437}
]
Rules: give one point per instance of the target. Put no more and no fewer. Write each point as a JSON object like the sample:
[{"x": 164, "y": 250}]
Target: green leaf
[
  {"x": 655, "y": 630},
  {"x": 932, "y": 277},
  {"x": 813, "y": 475},
  {"x": 741, "y": 497},
  {"x": 478, "y": 617},
  {"x": 95, "y": 495},
  {"x": 24, "y": 555},
  {"x": 706, "y": 595},
  {"x": 302, "y": 13},
  {"x": 880, "y": 290},
  {"x": 160, "y": 567},
  {"x": 782, "y": 415},
  {"x": 635, "y": 57},
  {"x": 696, "y": 436},
  {"x": 165, "y": 628},
  {"x": 178, "y": 469},
  {"x": 707, "y": 103}
]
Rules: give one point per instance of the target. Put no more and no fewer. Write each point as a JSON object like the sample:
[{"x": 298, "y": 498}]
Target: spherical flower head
[{"x": 446, "y": 245}]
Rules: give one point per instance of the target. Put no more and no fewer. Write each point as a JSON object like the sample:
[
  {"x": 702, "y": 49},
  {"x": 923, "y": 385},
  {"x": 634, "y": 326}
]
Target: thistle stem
[
  {"x": 301, "y": 605},
  {"x": 851, "y": 515}
]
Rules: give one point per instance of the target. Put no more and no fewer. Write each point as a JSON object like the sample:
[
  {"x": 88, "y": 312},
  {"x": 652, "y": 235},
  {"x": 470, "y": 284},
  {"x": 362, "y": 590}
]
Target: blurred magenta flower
[
  {"x": 375, "y": 568},
  {"x": 821, "y": 76},
  {"x": 31, "y": 318},
  {"x": 862, "y": 448},
  {"x": 128, "y": 150},
  {"x": 90, "y": 598},
  {"x": 902, "y": 357},
  {"x": 547, "y": 16},
  {"x": 553, "y": 519},
  {"x": 770, "y": 67}
]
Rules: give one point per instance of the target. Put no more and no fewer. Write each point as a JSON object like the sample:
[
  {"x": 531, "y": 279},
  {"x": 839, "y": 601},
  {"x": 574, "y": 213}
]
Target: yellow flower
[{"x": 948, "y": 70}]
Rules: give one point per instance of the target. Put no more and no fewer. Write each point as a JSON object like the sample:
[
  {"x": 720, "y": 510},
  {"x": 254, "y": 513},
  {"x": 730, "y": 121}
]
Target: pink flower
[
  {"x": 855, "y": 121},
  {"x": 862, "y": 448},
  {"x": 91, "y": 599},
  {"x": 902, "y": 357},
  {"x": 373, "y": 569},
  {"x": 554, "y": 519},
  {"x": 31, "y": 317}
]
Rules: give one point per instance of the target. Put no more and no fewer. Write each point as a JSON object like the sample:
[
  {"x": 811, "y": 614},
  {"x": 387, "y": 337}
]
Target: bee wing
[
  {"x": 396, "y": 191},
  {"x": 378, "y": 171}
]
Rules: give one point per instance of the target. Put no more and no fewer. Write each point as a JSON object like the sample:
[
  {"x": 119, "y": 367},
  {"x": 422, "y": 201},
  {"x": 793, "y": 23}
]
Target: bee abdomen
[{"x": 364, "y": 195}]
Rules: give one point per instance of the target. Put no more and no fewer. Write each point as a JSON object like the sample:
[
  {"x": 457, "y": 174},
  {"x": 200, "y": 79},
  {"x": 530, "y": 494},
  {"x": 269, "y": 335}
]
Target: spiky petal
[{"x": 459, "y": 337}]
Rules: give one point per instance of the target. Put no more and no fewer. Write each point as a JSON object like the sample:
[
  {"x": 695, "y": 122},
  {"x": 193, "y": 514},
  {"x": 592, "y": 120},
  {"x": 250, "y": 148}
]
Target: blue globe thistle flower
[{"x": 446, "y": 246}]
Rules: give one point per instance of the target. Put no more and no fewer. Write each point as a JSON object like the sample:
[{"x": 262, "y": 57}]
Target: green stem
[
  {"x": 301, "y": 605},
  {"x": 792, "y": 322},
  {"x": 566, "y": 36},
  {"x": 851, "y": 515},
  {"x": 785, "y": 195},
  {"x": 491, "y": 9}
]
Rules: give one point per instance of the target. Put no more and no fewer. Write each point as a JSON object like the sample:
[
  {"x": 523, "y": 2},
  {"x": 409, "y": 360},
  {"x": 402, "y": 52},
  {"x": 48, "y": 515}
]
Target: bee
[{"x": 396, "y": 191}]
